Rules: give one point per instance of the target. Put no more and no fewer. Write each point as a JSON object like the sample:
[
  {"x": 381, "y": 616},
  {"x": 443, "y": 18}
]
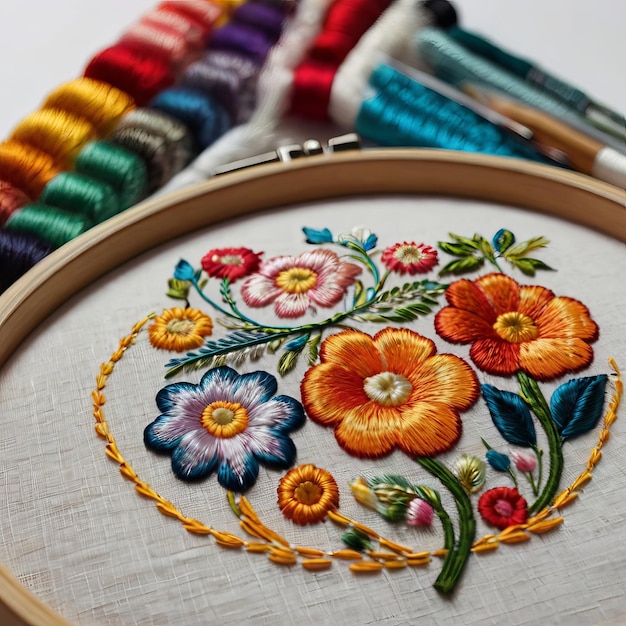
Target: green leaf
[
  {"x": 523, "y": 248},
  {"x": 472, "y": 243},
  {"x": 529, "y": 266},
  {"x": 487, "y": 250},
  {"x": 462, "y": 266},
  {"x": 178, "y": 289},
  {"x": 457, "y": 249},
  {"x": 288, "y": 361},
  {"x": 313, "y": 345}
]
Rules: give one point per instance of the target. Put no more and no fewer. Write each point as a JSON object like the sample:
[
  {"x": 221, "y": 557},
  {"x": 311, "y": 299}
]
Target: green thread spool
[
  {"x": 82, "y": 194},
  {"x": 49, "y": 223},
  {"x": 122, "y": 169}
]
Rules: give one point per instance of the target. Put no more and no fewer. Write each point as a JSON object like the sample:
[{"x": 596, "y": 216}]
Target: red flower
[
  {"x": 503, "y": 507},
  {"x": 231, "y": 263},
  {"x": 517, "y": 327},
  {"x": 411, "y": 258}
]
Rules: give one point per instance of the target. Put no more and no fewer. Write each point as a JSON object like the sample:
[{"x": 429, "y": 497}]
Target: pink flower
[
  {"x": 411, "y": 258},
  {"x": 524, "y": 461},
  {"x": 295, "y": 284},
  {"x": 419, "y": 513},
  {"x": 231, "y": 263}
]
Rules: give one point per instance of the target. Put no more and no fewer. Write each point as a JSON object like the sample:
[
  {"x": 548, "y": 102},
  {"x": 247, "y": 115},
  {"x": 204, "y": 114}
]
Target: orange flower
[
  {"x": 180, "y": 329},
  {"x": 389, "y": 390},
  {"x": 306, "y": 494},
  {"x": 513, "y": 327}
]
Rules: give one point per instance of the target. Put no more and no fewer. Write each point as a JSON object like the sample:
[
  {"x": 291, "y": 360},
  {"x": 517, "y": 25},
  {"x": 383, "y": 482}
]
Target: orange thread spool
[{"x": 26, "y": 167}]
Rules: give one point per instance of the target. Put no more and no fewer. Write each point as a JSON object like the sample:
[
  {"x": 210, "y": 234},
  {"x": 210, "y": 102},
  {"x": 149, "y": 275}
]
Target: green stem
[
  {"x": 454, "y": 562},
  {"x": 539, "y": 455},
  {"x": 534, "y": 397}
]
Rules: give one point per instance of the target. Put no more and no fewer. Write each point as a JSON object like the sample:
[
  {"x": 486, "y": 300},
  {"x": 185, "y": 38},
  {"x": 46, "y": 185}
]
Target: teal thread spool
[
  {"x": 406, "y": 113},
  {"x": 48, "y": 223},
  {"x": 82, "y": 194},
  {"x": 122, "y": 169}
]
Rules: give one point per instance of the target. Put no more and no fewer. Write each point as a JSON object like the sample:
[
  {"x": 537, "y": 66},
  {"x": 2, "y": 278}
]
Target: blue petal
[
  {"x": 222, "y": 376},
  {"x": 511, "y": 416},
  {"x": 500, "y": 462},
  {"x": 187, "y": 468},
  {"x": 183, "y": 270},
  {"x": 154, "y": 442},
  {"x": 577, "y": 405},
  {"x": 282, "y": 459},
  {"x": 318, "y": 236},
  {"x": 166, "y": 397},
  {"x": 264, "y": 385},
  {"x": 294, "y": 414},
  {"x": 370, "y": 242},
  {"x": 232, "y": 481}
]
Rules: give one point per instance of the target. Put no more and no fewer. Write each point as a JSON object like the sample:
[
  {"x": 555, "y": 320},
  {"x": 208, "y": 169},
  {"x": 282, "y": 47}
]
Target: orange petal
[
  {"x": 428, "y": 430},
  {"x": 548, "y": 358},
  {"x": 403, "y": 350},
  {"x": 466, "y": 295},
  {"x": 564, "y": 317},
  {"x": 352, "y": 349},
  {"x": 369, "y": 431},
  {"x": 501, "y": 291},
  {"x": 533, "y": 299},
  {"x": 496, "y": 356},
  {"x": 446, "y": 379},
  {"x": 459, "y": 326},
  {"x": 330, "y": 391}
]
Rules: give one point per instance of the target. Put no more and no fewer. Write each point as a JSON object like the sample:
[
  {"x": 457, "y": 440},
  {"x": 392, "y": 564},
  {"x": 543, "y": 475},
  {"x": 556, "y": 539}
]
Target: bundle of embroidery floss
[{"x": 90, "y": 152}]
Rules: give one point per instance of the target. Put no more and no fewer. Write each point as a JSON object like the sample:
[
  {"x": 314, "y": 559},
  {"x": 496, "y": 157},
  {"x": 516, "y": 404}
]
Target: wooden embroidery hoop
[{"x": 567, "y": 195}]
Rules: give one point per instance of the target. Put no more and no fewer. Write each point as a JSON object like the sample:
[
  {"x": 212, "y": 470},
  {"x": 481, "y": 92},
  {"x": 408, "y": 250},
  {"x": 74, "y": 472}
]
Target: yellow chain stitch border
[{"x": 280, "y": 551}]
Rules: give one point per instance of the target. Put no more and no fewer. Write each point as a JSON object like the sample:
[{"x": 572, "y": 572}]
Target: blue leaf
[
  {"x": 183, "y": 270},
  {"x": 503, "y": 240},
  {"x": 577, "y": 405},
  {"x": 511, "y": 416},
  {"x": 318, "y": 236},
  {"x": 297, "y": 343},
  {"x": 500, "y": 462}
]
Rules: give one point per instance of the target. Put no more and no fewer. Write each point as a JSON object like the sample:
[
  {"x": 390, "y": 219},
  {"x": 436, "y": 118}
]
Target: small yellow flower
[
  {"x": 470, "y": 470},
  {"x": 180, "y": 329}
]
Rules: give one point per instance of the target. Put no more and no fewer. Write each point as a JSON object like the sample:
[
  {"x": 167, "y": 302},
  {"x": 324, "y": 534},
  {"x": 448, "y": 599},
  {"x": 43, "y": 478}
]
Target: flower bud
[
  {"x": 524, "y": 461},
  {"x": 419, "y": 513}
]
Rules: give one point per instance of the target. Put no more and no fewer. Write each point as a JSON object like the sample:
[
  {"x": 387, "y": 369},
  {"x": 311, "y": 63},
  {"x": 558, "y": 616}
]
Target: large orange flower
[
  {"x": 513, "y": 327},
  {"x": 389, "y": 390}
]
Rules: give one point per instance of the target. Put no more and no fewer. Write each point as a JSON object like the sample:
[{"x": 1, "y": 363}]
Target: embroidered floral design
[
  {"x": 231, "y": 263},
  {"x": 517, "y": 328},
  {"x": 503, "y": 507},
  {"x": 180, "y": 329},
  {"x": 410, "y": 258},
  {"x": 228, "y": 423},
  {"x": 296, "y": 284},
  {"x": 387, "y": 391},
  {"x": 306, "y": 494}
]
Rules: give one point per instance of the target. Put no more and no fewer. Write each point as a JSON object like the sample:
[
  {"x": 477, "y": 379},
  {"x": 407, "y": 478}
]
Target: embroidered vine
[{"x": 391, "y": 389}]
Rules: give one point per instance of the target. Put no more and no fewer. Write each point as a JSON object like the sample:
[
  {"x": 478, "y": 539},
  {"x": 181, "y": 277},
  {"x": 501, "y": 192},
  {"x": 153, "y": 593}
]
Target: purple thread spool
[{"x": 242, "y": 38}]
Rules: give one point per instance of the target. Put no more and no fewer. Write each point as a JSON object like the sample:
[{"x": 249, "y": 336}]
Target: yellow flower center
[
  {"x": 387, "y": 388},
  {"x": 308, "y": 493},
  {"x": 224, "y": 419},
  {"x": 408, "y": 255},
  {"x": 228, "y": 259},
  {"x": 296, "y": 279},
  {"x": 179, "y": 326},
  {"x": 515, "y": 327}
]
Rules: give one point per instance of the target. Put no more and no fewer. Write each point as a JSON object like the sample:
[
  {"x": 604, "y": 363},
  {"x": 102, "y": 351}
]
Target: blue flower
[
  {"x": 500, "y": 462},
  {"x": 183, "y": 270},
  {"x": 228, "y": 423}
]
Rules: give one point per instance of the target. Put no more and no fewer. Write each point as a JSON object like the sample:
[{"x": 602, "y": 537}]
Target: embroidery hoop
[{"x": 559, "y": 193}]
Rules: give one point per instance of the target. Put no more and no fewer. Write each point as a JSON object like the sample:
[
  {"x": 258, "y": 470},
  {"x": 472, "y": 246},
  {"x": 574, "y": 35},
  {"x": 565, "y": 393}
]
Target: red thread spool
[
  {"x": 11, "y": 199},
  {"x": 133, "y": 70},
  {"x": 204, "y": 14},
  {"x": 346, "y": 22},
  {"x": 312, "y": 83}
]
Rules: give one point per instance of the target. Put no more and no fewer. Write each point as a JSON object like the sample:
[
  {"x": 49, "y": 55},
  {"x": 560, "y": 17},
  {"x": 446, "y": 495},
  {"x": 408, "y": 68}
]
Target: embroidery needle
[{"x": 584, "y": 153}]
